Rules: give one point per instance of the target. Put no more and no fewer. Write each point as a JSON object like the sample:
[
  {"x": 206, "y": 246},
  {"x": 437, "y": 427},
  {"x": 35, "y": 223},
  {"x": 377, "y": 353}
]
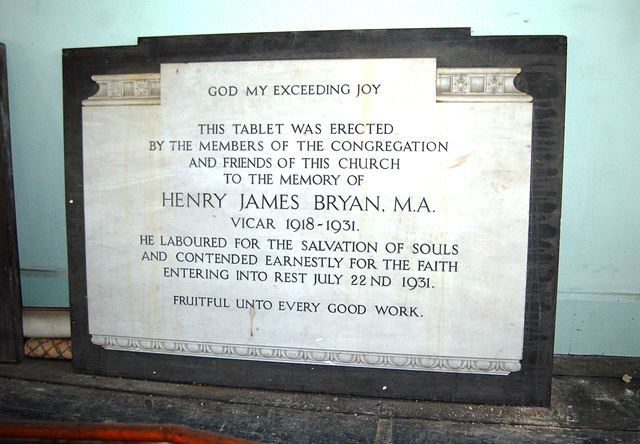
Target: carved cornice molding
[
  {"x": 478, "y": 85},
  {"x": 453, "y": 85},
  {"x": 318, "y": 357},
  {"x": 125, "y": 89}
]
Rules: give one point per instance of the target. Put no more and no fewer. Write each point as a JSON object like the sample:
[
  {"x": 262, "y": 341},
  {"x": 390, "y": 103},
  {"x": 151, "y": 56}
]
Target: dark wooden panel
[
  {"x": 583, "y": 409},
  {"x": 543, "y": 63},
  {"x": 11, "y": 340}
]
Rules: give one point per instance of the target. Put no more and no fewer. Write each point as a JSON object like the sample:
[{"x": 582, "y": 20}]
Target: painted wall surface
[{"x": 599, "y": 285}]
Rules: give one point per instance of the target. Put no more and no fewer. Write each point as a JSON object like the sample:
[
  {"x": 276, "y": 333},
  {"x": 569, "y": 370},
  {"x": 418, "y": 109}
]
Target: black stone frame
[
  {"x": 543, "y": 63},
  {"x": 11, "y": 337}
]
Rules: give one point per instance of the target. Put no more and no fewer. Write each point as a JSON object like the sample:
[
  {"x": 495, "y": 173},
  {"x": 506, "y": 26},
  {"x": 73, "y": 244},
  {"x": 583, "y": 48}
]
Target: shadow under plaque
[{"x": 361, "y": 212}]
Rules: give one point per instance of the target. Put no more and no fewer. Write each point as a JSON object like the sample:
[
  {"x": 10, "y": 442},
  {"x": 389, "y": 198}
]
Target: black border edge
[{"x": 11, "y": 333}]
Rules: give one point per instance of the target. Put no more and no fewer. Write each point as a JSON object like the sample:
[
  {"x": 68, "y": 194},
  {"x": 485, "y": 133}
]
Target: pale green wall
[{"x": 599, "y": 288}]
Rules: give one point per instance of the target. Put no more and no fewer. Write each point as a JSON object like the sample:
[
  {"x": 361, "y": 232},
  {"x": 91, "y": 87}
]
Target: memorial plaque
[{"x": 264, "y": 211}]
